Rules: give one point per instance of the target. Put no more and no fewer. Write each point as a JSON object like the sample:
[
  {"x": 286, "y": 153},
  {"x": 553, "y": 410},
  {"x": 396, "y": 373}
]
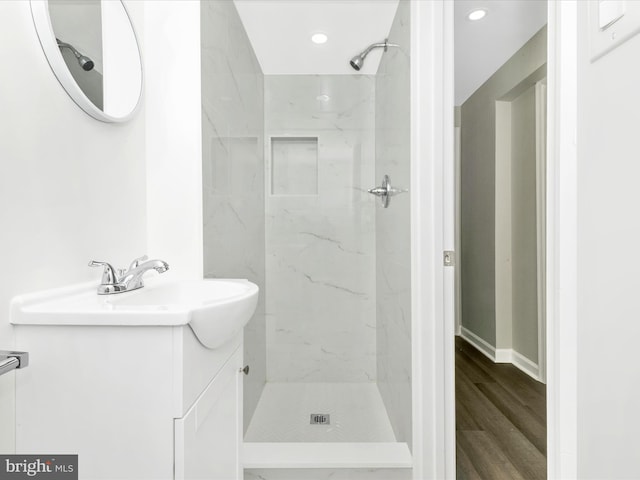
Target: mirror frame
[{"x": 46, "y": 36}]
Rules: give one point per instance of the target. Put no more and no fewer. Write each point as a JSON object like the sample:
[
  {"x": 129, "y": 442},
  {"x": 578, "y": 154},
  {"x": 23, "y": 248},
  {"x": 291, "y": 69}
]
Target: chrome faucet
[{"x": 126, "y": 280}]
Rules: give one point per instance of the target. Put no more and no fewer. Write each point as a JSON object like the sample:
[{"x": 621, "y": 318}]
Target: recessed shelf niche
[{"x": 294, "y": 165}]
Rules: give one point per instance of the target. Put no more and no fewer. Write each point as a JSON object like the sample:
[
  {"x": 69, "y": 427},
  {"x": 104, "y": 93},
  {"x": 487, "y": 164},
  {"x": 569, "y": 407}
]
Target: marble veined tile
[
  {"x": 293, "y": 102},
  {"x": 393, "y": 228},
  {"x": 320, "y": 246}
]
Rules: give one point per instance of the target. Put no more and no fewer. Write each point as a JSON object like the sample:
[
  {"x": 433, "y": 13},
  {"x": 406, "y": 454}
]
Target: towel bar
[{"x": 11, "y": 360}]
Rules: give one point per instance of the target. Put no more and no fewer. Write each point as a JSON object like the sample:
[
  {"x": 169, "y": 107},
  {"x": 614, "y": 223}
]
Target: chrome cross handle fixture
[
  {"x": 386, "y": 191},
  {"x": 125, "y": 280}
]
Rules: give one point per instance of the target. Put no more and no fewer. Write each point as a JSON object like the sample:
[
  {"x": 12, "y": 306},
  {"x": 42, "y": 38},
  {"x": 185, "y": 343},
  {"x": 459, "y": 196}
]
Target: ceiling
[
  {"x": 481, "y": 47},
  {"x": 280, "y": 33}
]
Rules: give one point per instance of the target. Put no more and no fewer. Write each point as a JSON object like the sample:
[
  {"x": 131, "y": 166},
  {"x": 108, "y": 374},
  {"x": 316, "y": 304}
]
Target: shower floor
[{"x": 356, "y": 410}]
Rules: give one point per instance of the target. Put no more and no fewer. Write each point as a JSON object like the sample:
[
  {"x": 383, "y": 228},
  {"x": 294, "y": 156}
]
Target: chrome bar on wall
[{"x": 11, "y": 360}]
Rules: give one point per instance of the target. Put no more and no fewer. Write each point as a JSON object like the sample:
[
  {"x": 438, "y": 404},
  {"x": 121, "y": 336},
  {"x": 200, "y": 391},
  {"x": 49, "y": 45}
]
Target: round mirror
[{"x": 92, "y": 49}]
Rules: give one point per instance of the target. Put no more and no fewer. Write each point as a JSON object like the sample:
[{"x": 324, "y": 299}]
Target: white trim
[
  {"x": 448, "y": 459},
  {"x": 561, "y": 289},
  {"x": 501, "y": 355},
  {"x": 457, "y": 233},
  {"x": 523, "y": 363},
  {"x": 481, "y": 345},
  {"x": 541, "y": 229},
  {"x": 433, "y": 390},
  {"x": 325, "y": 455},
  {"x": 439, "y": 19},
  {"x": 503, "y": 231},
  {"x": 446, "y": 159}
]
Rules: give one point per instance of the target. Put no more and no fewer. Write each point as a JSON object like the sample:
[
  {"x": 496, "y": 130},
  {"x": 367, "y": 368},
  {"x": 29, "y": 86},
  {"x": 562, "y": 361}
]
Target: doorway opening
[{"x": 500, "y": 155}]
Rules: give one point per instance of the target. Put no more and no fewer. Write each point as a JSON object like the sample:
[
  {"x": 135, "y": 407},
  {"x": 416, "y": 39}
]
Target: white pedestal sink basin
[{"x": 215, "y": 309}]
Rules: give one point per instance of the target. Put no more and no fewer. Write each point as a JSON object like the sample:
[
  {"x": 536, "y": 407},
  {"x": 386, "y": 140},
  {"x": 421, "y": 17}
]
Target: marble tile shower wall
[
  {"x": 320, "y": 231},
  {"x": 233, "y": 171},
  {"x": 393, "y": 245}
]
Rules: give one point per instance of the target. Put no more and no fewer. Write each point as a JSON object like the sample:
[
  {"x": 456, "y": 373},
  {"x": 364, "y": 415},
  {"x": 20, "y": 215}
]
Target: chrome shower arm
[
  {"x": 62, "y": 44},
  {"x": 384, "y": 45},
  {"x": 85, "y": 62}
]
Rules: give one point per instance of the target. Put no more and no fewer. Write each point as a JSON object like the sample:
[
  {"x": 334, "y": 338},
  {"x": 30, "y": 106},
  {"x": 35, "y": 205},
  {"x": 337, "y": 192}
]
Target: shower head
[
  {"x": 357, "y": 61},
  {"x": 85, "y": 62}
]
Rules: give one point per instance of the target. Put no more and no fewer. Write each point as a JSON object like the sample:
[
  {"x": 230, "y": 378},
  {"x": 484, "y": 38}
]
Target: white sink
[{"x": 215, "y": 309}]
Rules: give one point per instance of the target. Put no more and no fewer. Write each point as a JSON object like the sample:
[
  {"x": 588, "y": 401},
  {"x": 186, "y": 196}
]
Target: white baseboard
[
  {"x": 501, "y": 355},
  {"x": 481, "y": 345},
  {"x": 526, "y": 365}
]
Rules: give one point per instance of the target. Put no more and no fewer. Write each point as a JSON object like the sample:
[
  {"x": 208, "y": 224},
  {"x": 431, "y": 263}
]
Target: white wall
[
  {"x": 484, "y": 258},
  {"x": 72, "y": 189},
  {"x": 608, "y": 236},
  {"x": 171, "y": 55}
]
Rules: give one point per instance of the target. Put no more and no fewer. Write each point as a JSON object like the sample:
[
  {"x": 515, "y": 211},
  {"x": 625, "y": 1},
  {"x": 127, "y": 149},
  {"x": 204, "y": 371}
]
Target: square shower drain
[{"x": 320, "y": 419}]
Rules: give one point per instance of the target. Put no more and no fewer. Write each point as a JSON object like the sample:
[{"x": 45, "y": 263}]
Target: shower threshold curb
[{"x": 326, "y": 455}]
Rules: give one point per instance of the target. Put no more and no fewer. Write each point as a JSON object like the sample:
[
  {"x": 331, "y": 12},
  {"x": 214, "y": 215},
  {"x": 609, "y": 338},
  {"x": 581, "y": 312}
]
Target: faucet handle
[
  {"x": 109, "y": 276},
  {"x": 137, "y": 261}
]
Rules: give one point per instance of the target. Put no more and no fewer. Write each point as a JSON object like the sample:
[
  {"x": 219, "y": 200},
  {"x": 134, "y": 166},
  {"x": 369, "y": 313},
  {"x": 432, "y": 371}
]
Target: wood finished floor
[{"x": 500, "y": 420}]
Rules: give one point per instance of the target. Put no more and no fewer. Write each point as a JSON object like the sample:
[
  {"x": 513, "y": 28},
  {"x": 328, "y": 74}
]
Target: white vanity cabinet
[{"x": 134, "y": 402}]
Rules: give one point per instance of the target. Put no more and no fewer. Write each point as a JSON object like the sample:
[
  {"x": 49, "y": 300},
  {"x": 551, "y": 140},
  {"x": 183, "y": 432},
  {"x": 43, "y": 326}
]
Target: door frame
[
  {"x": 432, "y": 174},
  {"x": 561, "y": 262},
  {"x": 432, "y": 161},
  {"x": 541, "y": 222}
]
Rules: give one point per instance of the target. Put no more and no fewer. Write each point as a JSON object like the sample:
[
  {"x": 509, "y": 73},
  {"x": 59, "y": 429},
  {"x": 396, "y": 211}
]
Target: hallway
[{"x": 500, "y": 419}]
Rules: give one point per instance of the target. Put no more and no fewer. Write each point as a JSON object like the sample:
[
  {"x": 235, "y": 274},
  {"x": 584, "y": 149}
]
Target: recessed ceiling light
[
  {"x": 477, "y": 14},
  {"x": 323, "y": 98},
  {"x": 319, "y": 38}
]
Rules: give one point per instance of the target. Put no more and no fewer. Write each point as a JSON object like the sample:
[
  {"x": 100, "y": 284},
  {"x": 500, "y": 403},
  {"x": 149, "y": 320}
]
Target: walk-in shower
[{"x": 288, "y": 161}]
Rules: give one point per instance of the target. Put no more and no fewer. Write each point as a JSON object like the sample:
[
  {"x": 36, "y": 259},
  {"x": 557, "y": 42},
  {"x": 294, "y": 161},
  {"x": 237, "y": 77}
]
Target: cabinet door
[{"x": 208, "y": 438}]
